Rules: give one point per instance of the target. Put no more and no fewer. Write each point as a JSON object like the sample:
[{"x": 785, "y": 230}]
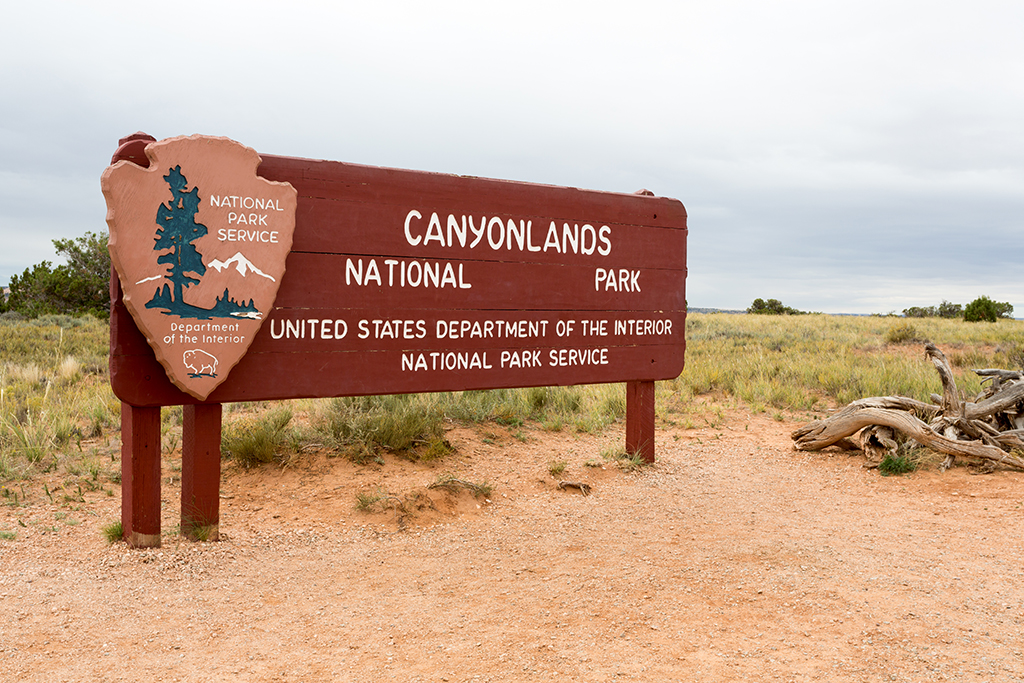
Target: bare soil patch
[{"x": 733, "y": 558}]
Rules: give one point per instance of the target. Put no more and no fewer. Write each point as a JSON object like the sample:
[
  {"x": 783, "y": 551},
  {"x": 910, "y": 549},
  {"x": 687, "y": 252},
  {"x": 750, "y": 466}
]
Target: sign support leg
[
  {"x": 140, "y": 476},
  {"x": 200, "y": 471},
  {"x": 640, "y": 419}
]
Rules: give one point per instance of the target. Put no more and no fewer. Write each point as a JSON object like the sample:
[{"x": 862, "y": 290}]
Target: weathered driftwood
[
  {"x": 952, "y": 402},
  {"x": 876, "y": 441},
  {"x": 990, "y": 429},
  {"x": 831, "y": 430}
]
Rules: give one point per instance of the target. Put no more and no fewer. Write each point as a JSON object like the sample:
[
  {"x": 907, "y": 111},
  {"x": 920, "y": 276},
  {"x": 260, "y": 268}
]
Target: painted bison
[{"x": 199, "y": 362}]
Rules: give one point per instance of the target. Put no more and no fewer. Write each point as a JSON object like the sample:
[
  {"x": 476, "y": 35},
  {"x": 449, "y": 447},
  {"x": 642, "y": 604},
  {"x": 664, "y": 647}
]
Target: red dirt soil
[{"x": 734, "y": 558}]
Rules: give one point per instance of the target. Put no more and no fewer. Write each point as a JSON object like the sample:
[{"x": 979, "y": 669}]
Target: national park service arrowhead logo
[{"x": 199, "y": 242}]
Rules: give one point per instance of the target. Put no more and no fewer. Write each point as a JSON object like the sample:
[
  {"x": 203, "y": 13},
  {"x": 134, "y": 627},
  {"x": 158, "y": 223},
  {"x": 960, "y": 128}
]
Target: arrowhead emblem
[{"x": 199, "y": 242}]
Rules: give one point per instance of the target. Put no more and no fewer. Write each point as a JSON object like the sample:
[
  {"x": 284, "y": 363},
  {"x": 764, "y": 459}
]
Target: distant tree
[
  {"x": 86, "y": 277},
  {"x": 950, "y": 310},
  {"x": 33, "y": 292},
  {"x": 985, "y": 309},
  {"x": 771, "y": 307},
  {"x": 80, "y": 286},
  {"x": 1004, "y": 309},
  {"x": 943, "y": 310},
  {"x": 920, "y": 312}
]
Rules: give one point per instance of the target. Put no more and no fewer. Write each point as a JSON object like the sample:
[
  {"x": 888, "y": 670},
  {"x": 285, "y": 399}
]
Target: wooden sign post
[{"x": 404, "y": 282}]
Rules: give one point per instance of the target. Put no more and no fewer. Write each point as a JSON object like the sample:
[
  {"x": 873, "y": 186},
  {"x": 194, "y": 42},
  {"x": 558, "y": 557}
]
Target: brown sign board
[{"x": 403, "y": 281}]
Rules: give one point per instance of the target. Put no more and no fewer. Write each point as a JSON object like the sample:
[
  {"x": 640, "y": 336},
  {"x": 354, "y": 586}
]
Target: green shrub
[
  {"x": 896, "y": 464},
  {"x": 943, "y": 310},
  {"x": 987, "y": 310},
  {"x": 255, "y": 439},
  {"x": 113, "y": 532}
]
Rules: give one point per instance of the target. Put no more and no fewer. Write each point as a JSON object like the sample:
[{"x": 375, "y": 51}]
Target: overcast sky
[{"x": 842, "y": 157}]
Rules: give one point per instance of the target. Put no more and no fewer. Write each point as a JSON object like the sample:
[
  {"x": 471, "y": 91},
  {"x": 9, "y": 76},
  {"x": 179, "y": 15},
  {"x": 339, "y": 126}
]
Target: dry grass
[
  {"x": 812, "y": 362},
  {"x": 57, "y": 412}
]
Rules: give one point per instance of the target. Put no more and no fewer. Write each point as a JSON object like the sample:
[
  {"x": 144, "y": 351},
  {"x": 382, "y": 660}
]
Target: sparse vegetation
[
  {"x": 452, "y": 483},
  {"x": 556, "y": 467},
  {"x": 113, "y": 532},
  {"x": 256, "y": 439},
  {"x": 812, "y": 362},
  {"x": 623, "y": 459},
  {"x": 57, "y": 412},
  {"x": 366, "y": 501},
  {"x": 896, "y": 464}
]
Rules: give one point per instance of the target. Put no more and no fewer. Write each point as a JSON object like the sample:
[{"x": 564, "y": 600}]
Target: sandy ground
[{"x": 734, "y": 558}]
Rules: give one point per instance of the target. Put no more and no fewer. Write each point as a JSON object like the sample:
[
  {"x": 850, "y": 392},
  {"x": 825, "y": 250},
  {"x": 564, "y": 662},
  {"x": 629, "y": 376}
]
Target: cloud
[{"x": 813, "y": 144}]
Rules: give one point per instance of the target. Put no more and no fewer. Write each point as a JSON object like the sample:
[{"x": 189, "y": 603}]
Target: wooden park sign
[{"x": 386, "y": 281}]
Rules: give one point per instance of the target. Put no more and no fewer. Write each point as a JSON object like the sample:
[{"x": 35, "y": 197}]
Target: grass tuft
[
  {"x": 624, "y": 460},
  {"x": 364, "y": 426},
  {"x": 254, "y": 439},
  {"x": 556, "y": 467},
  {"x": 896, "y": 464},
  {"x": 113, "y": 532}
]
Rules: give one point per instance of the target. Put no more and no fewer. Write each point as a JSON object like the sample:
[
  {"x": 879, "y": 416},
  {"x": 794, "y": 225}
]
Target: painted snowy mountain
[{"x": 243, "y": 265}]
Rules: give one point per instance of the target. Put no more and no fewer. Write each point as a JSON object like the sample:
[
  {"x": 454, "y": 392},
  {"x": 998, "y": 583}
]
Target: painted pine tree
[{"x": 177, "y": 230}]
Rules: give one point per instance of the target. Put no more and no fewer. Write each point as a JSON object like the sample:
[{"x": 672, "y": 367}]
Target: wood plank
[
  {"x": 325, "y": 280},
  {"x": 274, "y": 376},
  {"x": 325, "y": 329},
  {"x": 336, "y": 226},
  {"x": 200, "y": 471},
  {"x": 640, "y": 416},
  {"x": 379, "y": 185},
  {"x": 140, "y": 475}
]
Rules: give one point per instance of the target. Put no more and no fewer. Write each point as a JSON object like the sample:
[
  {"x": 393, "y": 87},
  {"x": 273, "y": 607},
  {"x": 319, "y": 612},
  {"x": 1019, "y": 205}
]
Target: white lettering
[
  {"x": 460, "y": 232},
  {"x": 496, "y": 243},
  {"x": 434, "y": 230},
  {"x": 408, "y": 234},
  {"x": 604, "y": 236}
]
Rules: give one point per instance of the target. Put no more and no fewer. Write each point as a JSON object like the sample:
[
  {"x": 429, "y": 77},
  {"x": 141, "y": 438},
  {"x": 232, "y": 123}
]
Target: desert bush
[
  {"x": 900, "y": 333},
  {"x": 255, "y": 439},
  {"x": 987, "y": 310},
  {"x": 452, "y": 483},
  {"x": 896, "y": 464},
  {"x": 623, "y": 459},
  {"x": 362, "y": 426}
]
